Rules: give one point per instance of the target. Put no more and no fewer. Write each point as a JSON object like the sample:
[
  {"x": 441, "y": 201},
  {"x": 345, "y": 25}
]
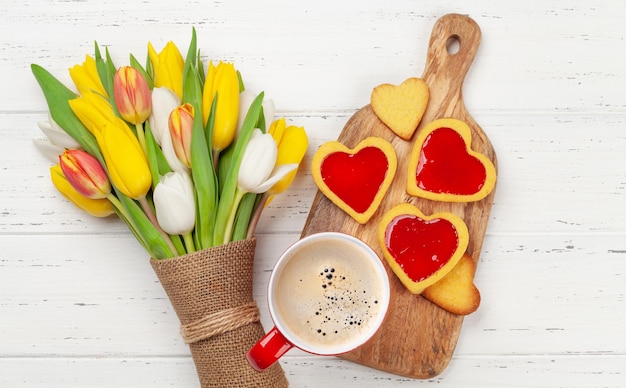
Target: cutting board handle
[{"x": 446, "y": 67}]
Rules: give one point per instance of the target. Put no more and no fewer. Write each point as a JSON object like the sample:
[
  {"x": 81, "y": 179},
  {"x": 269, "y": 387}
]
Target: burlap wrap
[{"x": 211, "y": 292}]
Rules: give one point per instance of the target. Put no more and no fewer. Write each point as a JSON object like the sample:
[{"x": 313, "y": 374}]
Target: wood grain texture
[
  {"x": 417, "y": 338},
  {"x": 80, "y": 306}
]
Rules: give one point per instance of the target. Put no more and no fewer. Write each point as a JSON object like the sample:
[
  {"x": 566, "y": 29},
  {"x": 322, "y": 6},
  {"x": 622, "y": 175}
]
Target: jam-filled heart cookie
[
  {"x": 421, "y": 249},
  {"x": 456, "y": 292},
  {"x": 401, "y": 107},
  {"x": 443, "y": 167},
  {"x": 355, "y": 179}
]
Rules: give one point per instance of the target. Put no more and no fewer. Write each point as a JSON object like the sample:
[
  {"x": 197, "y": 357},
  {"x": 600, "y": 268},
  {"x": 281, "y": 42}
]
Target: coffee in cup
[{"x": 328, "y": 294}]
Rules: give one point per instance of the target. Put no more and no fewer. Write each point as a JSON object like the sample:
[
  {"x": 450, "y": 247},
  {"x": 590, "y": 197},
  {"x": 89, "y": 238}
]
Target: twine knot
[{"x": 220, "y": 322}]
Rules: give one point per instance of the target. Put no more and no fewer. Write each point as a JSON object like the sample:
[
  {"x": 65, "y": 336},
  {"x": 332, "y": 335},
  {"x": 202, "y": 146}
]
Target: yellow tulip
[
  {"x": 168, "y": 68},
  {"x": 125, "y": 160},
  {"x": 93, "y": 110},
  {"x": 96, "y": 207},
  {"x": 292, "y": 144},
  {"x": 86, "y": 77},
  {"x": 223, "y": 81}
]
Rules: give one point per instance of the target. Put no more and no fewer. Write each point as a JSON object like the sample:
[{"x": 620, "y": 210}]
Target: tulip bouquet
[{"x": 184, "y": 157}]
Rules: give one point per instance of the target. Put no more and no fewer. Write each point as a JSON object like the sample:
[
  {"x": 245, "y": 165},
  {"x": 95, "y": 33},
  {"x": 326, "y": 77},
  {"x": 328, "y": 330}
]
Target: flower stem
[
  {"x": 189, "y": 242},
  {"x": 118, "y": 205},
  {"x": 256, "y": 216},
  {"x": 228, "y": 232},
  {"x": 141, "y": 136},
  {"x": 152, "y": 217},
  {"x": 216, "y": 160}
]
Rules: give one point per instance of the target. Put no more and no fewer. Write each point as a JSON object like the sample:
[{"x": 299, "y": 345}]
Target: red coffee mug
[{"x": 328, "y": 294}]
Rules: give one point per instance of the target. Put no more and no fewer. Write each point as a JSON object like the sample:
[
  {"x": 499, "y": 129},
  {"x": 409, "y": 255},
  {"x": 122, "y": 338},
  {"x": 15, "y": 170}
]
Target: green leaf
[
  {"x": 226, "y": 159},
  {"x": 135, "y": 63},
  {"x": 242, "y": 87},
  {"x": 208, "y": 129},
  {"x": 156, "y": 160},
  {"x": 200, "y": 66},
  {"x": 110, "y": 74},
  {"x": 205, "y": 183},
  {"x": 204, "y": 178},
  {"x": 149, "y": 68},
  {"x": 101, "y": 66},
  {"x": 190, "y": 67},
  {"x": 152, "y": 239},
  {"x": 177, "y": 241},
  {"x": 261, "y": 122},
  {"x": 57, "y": 97},
  {"x": 227, "y": 197},
  {"x": 242, "y": 220}
]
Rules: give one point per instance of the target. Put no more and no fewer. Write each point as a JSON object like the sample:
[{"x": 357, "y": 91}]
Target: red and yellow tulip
[{"x": 132, "y": 95}]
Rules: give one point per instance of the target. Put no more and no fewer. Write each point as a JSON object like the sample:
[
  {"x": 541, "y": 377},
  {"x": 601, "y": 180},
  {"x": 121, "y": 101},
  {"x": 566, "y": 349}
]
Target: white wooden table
[{"x": 81, "y": 307}]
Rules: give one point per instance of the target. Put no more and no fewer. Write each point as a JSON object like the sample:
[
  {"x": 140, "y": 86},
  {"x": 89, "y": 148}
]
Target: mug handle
[{"x": 268, "y": 350}]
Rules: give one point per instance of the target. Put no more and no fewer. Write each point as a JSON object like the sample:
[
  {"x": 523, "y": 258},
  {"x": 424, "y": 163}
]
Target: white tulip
[
  {"x": 164, "y": 101},
  {"x": 174, "y": 203},
  {"x": 56, "y": 134},
  {"x": 258, "y": 171},
  {"x": 245, "y": 100},
  {"x": 57, "y": 140}
]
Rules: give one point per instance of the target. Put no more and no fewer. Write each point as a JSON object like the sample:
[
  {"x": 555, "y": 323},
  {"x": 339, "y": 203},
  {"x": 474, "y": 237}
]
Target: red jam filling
[
  {"x": 421, "y": 247},
  {"x": 445, "y": 166},
  {"x": 355, "y": 178}
]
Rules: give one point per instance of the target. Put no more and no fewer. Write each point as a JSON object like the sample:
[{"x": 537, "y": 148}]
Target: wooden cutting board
[{"x": 418, "y": 338}]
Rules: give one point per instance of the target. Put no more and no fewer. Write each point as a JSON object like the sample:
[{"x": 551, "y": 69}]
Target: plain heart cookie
[
  {"x": 401, "y": 107},
  {"x": 456, "y": 292},
  {"x": 443, "y": 167},
  {"x": 356, "y": 180},
  {"x": 421, "y": 249}
]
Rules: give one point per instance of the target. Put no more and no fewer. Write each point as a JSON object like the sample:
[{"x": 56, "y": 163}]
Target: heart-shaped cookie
[
  {"x": 421, "y": 249},
  {"x": 456, "y": 292},
  {"x": 401, "y": 107},
  {"x": 443, "y": 167},
  {"x": 355, "y": 179}
]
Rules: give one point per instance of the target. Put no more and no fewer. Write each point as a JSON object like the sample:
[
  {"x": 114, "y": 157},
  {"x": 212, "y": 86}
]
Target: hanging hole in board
[{"x": 453, "y": 44}]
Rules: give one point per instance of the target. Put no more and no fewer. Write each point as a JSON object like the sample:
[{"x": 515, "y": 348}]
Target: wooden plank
[
  {"x": 495, "y": 371},
  {"x": 331, "y": 60}
]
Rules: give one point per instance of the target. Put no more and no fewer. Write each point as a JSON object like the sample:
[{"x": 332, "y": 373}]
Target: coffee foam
[{"x": 330, "y": 297}]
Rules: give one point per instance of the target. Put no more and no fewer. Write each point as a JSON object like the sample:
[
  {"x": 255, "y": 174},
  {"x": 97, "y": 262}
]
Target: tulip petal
[
  {"x": 268, "y": 110},
  {"x": 48, "y": 150},
  {"x": 57, "y": 136},
  {"x": 258, "y": 161},
  {"x": 181, "y": 125},
  {"x": 168, "y": 68},
  {"x": 222, "y": 83},
  {"x": 86, "y": 78},
  {"x": 278, "y": 174},
  {"x": 132, "y": 95},
  {"x": 163, "y": 102},
  {"x": 174, "y": 203},
  {"x": 245, "y": 100},
  {"x": 167, "y": 146},
  {"x": 127, "y": 164},
  {"x": 85, "y": 173}
]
